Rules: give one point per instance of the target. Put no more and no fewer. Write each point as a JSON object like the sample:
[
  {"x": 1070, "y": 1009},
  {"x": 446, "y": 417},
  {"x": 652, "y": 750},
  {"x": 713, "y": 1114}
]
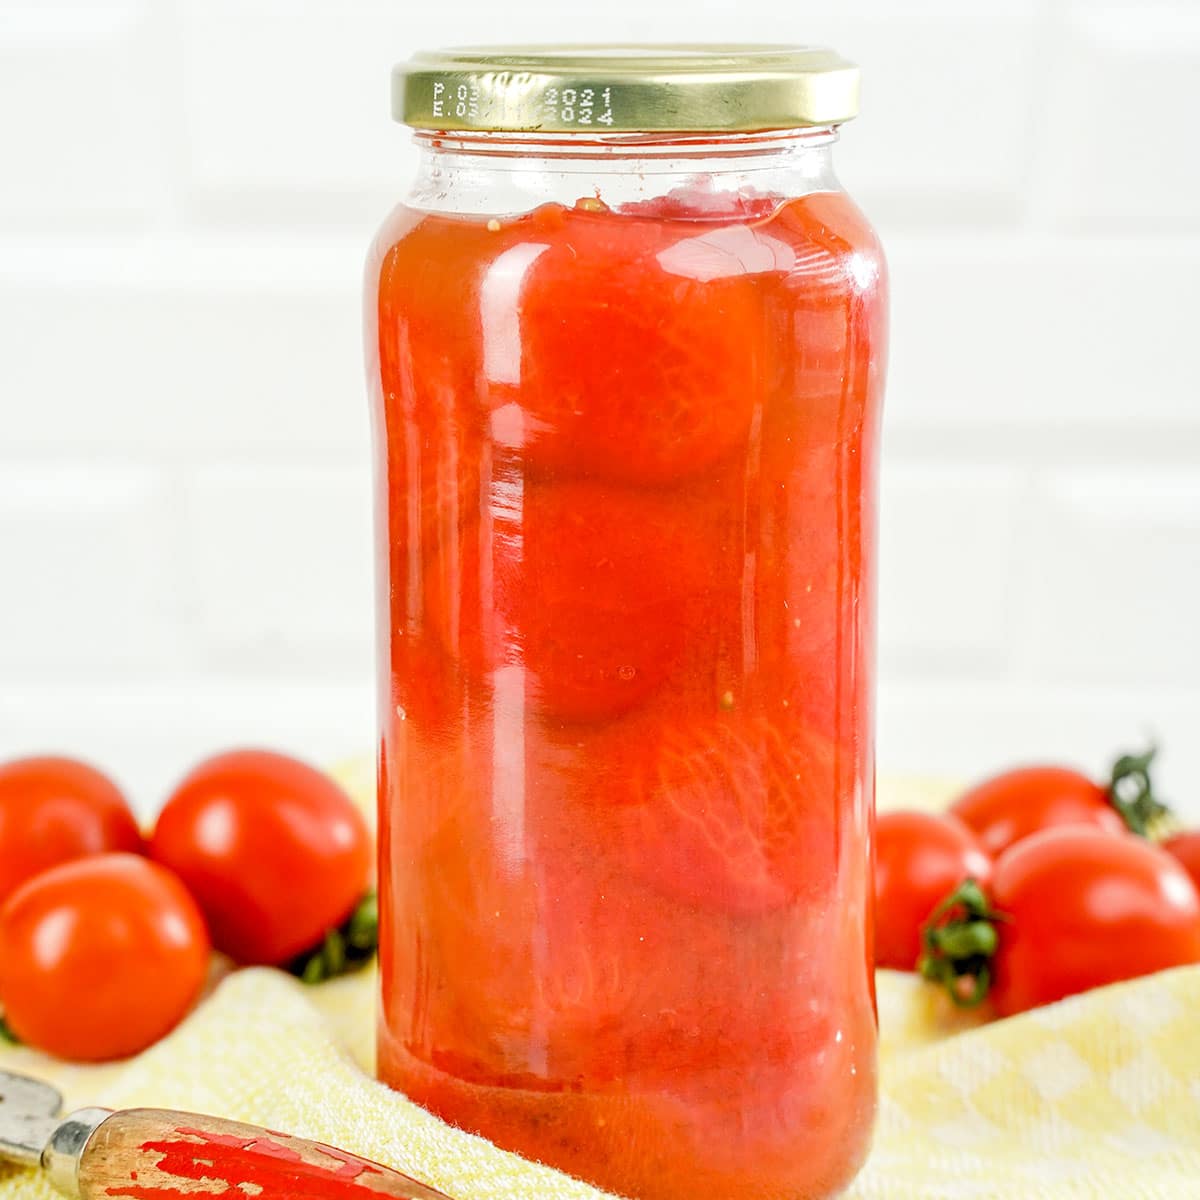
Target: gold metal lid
[{"x": 624, "y": 89}]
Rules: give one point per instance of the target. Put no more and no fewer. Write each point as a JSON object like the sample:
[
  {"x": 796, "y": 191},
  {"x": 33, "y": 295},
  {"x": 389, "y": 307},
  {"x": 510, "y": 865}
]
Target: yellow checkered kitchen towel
[{"x": 1096, "y": 1097}]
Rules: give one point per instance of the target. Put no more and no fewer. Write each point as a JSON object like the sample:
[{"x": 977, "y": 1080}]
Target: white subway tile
[
  {"x": 946, "y": 565},
  {"x": 1120, "y": 130},
  {"x": 88, "y": 570},
  {"x": 288, "y": 102},
  {"x": 184, "y": 366},
  {"x": 78, "y": 140},
  {"x": 1040, "y": 332},
  {"x": 1114, "y": 590},
  {"x": 280, "y": 566}
]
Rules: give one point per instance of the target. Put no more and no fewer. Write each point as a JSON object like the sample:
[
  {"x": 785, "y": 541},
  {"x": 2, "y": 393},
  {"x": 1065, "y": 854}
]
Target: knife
[{"x": 157, "y": 1154}]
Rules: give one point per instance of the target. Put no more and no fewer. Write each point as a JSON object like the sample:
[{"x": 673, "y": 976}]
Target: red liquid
[{"x": 627, "y": 521}]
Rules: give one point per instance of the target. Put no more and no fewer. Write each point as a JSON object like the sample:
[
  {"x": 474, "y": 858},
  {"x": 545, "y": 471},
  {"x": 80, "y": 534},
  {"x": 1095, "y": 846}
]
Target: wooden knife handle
[{"x": 155, "y": 1154}]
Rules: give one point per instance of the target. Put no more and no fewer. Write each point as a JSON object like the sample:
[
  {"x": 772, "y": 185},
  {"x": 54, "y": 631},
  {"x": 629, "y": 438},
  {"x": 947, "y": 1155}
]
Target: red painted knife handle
[{"x": 154, "y": 1154}]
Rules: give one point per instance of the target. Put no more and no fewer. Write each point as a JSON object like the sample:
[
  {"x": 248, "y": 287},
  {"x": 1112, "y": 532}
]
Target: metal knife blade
[{"x": 29, "y": 1111}]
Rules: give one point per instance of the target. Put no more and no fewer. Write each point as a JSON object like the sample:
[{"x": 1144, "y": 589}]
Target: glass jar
[{"x": 626, "y": 345}]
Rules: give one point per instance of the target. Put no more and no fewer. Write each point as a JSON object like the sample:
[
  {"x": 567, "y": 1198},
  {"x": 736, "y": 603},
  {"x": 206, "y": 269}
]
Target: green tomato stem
[
  {"x": 348, "y": 948},
  {"x": 1131, "y": 792},
  {"x": 961, "y": 940}
]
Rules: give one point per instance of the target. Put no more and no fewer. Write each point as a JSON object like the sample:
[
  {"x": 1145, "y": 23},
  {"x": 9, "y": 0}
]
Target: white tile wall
[
  {"x": 1032, "y": 332},
  {"x": 283, "y": 130},
  {"x": 279, "y": 567},
  {"x": 1124, "y": 110},
  {"x": 187, "y": 188},
  {"x": 90, "y": 573},
  {"x": 76, "y": 142},
  {"x": 1125, "y": 542},
  {"x": 948, "y": 552},
  {"x": 172, "y": 363}
]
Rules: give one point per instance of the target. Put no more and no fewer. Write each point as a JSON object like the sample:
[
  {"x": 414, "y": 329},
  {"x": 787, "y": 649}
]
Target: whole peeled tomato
[
  {"x": 919, "y": 859},
  {"x": 1016, "y": 803},
  {"x": 580, "y": 598},
  {"x": 640, "y": 348},
  {"x": 1068, "y": 910},
  {"x": 1186, "y": 848},
  {"x": 730, "y": 811},
  {"x": 274, "y": 850},
  {"x": 101, "y": 957},
  {"x": 53, "y": 810},
  {"x": 429, "y": 361},
  {"x": 602, "y": 993}
]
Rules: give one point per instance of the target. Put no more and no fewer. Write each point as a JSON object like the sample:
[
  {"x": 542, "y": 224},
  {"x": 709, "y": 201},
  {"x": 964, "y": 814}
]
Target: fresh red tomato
[
  {"x": 275, "y": 852},
  {"x": 1186, "y": 848},
  {"x": 53, "y": 810},
  {"x": 919, "y": 859},
  {"x": 1014, "y": 804},
  {"x": 1070, "y": 909},
  {"x": 101, "y": 957}
]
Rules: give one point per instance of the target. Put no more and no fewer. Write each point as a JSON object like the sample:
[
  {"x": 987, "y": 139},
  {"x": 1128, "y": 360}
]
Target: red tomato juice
[{"x": 627, "y": 528}]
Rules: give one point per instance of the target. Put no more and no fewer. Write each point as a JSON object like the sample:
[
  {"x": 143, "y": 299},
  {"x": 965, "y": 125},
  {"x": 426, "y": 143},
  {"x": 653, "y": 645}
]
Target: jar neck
[{"x": 505, "y": 173}]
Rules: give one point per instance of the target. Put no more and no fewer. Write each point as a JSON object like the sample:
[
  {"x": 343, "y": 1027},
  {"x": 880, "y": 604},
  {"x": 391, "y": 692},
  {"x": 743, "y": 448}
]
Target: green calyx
[
  {"x": 1131, "y": 793},
  {"x": 960, "y": 940},
  {"x": 348, "y": 948}
]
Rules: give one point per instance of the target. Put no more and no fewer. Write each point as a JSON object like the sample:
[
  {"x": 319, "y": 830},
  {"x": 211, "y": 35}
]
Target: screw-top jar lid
[{"x": 624, "y": 89}]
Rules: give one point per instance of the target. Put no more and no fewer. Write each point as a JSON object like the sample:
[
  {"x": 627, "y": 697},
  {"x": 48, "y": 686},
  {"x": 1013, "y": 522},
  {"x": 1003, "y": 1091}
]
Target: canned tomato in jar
[{"x": 625, "y": 350}]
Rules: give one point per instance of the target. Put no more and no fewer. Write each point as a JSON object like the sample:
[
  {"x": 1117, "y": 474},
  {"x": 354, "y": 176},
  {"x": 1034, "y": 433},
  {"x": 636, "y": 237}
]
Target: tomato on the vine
[
  {"x": 919, "y": 859},
  {"x": 274, "y": 850},
  {"x": 1014, "y": 804},
  {"x": 1068, "y": 909},
  {"x": 101, "y": 957},
  {"x": 53, "y": 810}
]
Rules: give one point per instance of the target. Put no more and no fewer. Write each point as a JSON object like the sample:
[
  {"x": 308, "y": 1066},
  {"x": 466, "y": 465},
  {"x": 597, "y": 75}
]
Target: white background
[{"x": 187, "y": 188}]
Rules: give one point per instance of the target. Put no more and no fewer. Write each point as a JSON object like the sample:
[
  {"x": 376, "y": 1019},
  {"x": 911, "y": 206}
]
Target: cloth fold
[{"x": 1098, "y": 1096}]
